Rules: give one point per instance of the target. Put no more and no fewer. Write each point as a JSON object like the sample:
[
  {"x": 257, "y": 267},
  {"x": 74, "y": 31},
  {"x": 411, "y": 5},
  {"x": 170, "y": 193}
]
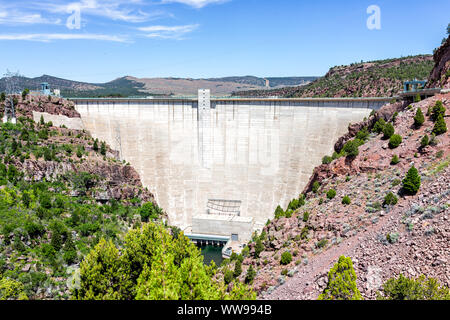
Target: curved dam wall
[{"x": 260, "y": 153}]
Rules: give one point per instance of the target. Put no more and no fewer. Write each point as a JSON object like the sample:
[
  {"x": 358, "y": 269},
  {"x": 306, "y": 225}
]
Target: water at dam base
[{"x": 259, "y": 153}]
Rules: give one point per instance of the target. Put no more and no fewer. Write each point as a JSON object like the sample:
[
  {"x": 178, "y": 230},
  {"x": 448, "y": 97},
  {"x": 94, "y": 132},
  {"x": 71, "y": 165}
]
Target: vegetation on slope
[
  {"x": 342, "y": 286},
  {"x": 365, "y": 79}
]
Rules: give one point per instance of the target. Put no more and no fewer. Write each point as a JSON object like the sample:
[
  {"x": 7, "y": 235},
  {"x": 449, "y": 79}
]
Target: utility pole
[{"x": 11, "y": 81}]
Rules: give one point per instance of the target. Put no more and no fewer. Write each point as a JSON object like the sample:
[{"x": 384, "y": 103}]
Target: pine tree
[
  {"x": 440, "y": 127},
  {"x": 251, "y": 273},
  {"x": 96, "y": 145},
  {"x": 70, "y": 251},
  {"x": 425, "y": 141},
  {"x": 341, "y": 282},
  {"x": 259, "y": 247},
  {"x": 437, "y": 110},
  {"x": 56, "y": 241},
  {"x": 419, "y": 119},
  {"x": 411, "y": 183},
  {"x": 388, "y": 131},
  {"x": 237, "y": 269},
  {"x": 103, "y": 149}
]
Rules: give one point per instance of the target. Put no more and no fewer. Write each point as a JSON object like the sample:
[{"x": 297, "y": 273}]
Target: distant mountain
[
  {"x": 131, "y": 86},
  {"x": 365, "y": 79}
]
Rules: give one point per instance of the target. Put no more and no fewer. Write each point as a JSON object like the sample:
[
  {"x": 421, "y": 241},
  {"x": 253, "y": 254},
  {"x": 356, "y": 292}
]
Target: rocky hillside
[
  {"x": 382, "y": 78},
  {"x": 359, "y": 217}
]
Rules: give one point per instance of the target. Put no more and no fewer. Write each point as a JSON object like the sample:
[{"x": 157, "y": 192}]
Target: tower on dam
[{"x": 259, "y": 153}]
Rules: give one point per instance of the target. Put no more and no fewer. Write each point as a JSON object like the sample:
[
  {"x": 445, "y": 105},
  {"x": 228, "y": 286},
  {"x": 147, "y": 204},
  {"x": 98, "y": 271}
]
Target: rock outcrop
[{"x": 440, "y": 76}]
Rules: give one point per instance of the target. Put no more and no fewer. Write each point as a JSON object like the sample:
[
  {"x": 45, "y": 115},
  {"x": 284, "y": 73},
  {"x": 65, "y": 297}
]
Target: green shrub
[
  {"x": 341, "y": 282},
  {"x": 388, "y": 131},
  {"x": 411, "y": 183},
  {"x": 395, "y": 141},
  {"x": 228, "y": 277},
  {"x": 286, "y": 258},
  {"x": 149, "y": 211},
  {"x": 363, "y": 134},
  {"x": 43, "y": 134},
  {"x": 379, "y": 125},
  {"x": 95, "y": 147},
  {"x": 403, "y": 288},
  {"x": 322, "y": 243},
  {"x": 237, "y": 268},
  {"x": 425, "y": 141},
  {"x": 395, "y": 160},
  {"x": 419, "y": 118},
  {"x": 437, "y": 110},
  {"x": 315, "y": 186},
  {"x": 327, "y": 160},
  {"x": 346, "y": 200},
  {"x": 305, "y": 216},
  {"x": 259, "y": 247},
  {"x": 440, "y": 127},
  {"x": 103, "y": 149},
  {"x": 394, "y": 117},
  {"x": 390, "y": 199},
  {"x": 417, "y": 98},
  {"x": 331, "y": 194},
  {"x": 351, "y": 148},
  {"x": 279, "y": 212},
  {"x": 251, "y": 274}
]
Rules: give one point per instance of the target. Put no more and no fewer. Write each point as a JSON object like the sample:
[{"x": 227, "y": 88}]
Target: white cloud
[
  {"x": 47, "y": 37},
  {"x": 168, "y": 32},
  {"x": 111, "y": 9},
  {"x": 15, "y": 17},
  {"x": 195, "y": 3}
]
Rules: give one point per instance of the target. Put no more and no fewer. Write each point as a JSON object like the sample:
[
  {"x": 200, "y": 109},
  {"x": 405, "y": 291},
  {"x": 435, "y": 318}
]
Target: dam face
[{"x": 261, "y": 154}]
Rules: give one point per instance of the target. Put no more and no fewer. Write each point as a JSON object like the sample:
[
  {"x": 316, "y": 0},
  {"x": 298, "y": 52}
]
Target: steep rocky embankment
[
  {"x": 410, "y": 237},
  {"x": 366, "y": 79},
  {"x": 357, "y": 204}
]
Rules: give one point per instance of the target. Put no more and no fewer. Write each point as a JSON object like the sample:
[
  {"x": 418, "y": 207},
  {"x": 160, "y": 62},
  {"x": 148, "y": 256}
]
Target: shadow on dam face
[{"x": 259, "y": 154}]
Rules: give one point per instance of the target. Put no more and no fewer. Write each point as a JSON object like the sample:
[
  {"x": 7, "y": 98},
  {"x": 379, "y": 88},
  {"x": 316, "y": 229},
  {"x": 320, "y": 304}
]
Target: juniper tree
[
  {"x": 395, "y": 140},
  {"x": 96, "y": 145},
  {"x": 425, "y": 141},
  {"x": 251, "y": 273},
  {"x": 388, "y": 131},
  {"x": 103, "y": 148},
  {"x": 411, "y": 183},
  {"x": 351, "y": 148},
  {"x": 403, "y": 288},
  {"x": 259, "y": 247},
  {"x": 419, "y": 118},
  {"x": 437, "y": 110},
  {"x": 440, "y": 127},
  {"x": 341, "y": 282}
]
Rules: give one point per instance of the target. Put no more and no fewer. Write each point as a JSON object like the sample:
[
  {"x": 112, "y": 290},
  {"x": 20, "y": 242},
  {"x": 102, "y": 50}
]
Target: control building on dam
[{"x": 222, "y": 166}]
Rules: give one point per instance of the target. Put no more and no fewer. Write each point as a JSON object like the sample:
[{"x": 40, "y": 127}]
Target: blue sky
[{"x": 209, "y": 38}]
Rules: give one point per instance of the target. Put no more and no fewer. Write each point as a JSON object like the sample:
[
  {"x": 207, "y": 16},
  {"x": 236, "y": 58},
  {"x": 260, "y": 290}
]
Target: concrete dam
[{"x": 222, "y": 166}]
